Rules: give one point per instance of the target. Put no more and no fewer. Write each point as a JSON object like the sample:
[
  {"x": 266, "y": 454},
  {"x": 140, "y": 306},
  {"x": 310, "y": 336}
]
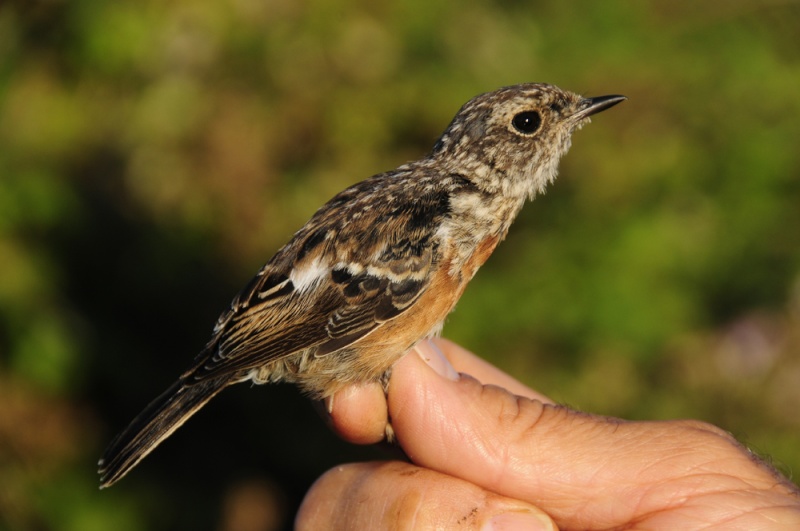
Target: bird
[{"x": 378, "y": 267}]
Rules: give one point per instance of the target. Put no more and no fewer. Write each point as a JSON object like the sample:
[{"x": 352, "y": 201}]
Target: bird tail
[{"x": 158, "y": 421}]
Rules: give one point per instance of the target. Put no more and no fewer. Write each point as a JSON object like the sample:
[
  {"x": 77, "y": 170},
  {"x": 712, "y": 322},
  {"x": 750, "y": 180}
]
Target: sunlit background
[{"x": 154, "y": 154}]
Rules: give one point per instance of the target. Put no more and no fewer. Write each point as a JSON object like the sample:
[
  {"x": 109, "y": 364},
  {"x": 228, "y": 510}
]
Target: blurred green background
[{"x": 154, "y": 154}]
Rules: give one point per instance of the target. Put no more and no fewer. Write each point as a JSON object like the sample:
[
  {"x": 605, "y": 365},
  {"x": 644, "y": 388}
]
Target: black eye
[{"x": 527, "y": 122}]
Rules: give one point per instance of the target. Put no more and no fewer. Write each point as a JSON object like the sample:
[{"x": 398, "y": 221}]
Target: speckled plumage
[{"x": 379, "y": 266}]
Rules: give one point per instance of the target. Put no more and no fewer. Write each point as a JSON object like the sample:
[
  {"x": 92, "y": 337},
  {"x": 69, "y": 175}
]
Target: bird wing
[{"x": 338, "y": 279}]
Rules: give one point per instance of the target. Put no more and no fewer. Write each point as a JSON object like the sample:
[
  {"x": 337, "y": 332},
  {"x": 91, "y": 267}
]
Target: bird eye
[{"x": 527, "y": 122}]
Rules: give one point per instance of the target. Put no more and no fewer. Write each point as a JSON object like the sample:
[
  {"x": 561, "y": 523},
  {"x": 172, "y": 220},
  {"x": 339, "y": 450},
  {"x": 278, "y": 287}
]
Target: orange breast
[
  {"x": 380, "y": 349},
  {"x": 482, "y": 253}
]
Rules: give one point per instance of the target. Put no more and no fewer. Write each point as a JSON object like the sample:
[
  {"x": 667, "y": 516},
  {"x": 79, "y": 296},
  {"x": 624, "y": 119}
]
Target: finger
[
  {"x": 396, "y": 495},
  {"x": 465, "y": 361},
  {"x": 585, "y": 471},
  {"x": 358, "y": 413}
]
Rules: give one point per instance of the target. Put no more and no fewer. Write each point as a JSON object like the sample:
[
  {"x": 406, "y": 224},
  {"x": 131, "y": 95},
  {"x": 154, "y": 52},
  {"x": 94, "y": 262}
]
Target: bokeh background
[{"x": 154, "y": 154}]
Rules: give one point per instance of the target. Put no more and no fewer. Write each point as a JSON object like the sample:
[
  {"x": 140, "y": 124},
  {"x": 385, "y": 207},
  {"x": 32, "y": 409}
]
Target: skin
[{"x": 500, "y": 455}]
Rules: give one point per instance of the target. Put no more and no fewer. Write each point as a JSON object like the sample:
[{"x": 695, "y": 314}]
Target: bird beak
[{"x": 590, "y": 106}]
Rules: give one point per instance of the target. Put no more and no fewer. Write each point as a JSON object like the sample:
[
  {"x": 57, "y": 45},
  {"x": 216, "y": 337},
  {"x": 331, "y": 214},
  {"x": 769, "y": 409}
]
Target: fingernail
[
  {"x": 430, "y": 354},
  {"x": 519, "y": 521}
]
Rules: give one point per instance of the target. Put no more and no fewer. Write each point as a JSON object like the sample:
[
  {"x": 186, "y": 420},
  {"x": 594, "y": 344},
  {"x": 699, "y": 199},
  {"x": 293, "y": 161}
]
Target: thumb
[{"x": 584, "y": 470}]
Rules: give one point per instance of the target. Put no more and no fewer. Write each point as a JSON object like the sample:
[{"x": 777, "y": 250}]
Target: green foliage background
[{"x": 154, "y": 154}]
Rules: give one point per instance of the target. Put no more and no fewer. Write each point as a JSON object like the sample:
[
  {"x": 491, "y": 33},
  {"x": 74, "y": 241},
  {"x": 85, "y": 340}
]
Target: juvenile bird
[{"x": 379, "y": 266}]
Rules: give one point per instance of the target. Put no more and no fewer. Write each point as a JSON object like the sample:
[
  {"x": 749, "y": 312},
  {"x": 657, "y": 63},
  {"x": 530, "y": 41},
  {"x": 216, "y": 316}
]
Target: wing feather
[{"x": 367, "y": 277}]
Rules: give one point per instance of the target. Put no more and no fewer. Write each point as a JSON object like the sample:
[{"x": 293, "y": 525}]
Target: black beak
[{"x": 592, "y": 106}]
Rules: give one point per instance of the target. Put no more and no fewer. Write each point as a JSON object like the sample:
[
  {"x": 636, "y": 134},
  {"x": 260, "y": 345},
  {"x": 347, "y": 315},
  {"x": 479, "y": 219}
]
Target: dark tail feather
[{"x": 163, "y": 416}]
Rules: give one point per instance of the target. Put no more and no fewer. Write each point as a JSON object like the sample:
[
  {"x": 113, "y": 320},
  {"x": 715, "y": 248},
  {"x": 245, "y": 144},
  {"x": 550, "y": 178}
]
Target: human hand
[{"x": 499, "y": 455}]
